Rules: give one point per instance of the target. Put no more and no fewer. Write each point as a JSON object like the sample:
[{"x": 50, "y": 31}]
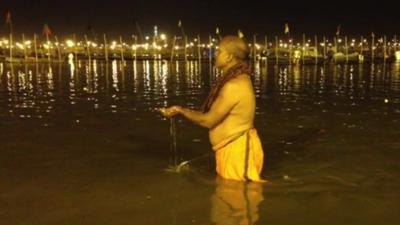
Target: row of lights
[{"x": 154, "y": 45}]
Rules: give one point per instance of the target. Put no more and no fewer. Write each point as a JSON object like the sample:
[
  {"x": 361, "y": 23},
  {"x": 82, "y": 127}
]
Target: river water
[{"x": 82, "y": 143}]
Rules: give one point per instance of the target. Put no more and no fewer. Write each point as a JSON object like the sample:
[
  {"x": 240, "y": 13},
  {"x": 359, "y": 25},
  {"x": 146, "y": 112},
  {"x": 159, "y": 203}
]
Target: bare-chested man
[{"x": 228, "y": 113}]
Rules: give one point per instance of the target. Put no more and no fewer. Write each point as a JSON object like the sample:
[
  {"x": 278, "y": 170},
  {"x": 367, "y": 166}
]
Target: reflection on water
[
  {"x": 330, "y": 132},
  {"x": 236, "y": 203},
  {"x": 160, "y": 83}
]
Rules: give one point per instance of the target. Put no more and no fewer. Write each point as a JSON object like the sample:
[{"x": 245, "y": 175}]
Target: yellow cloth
[{"x": 240, "y": 157}]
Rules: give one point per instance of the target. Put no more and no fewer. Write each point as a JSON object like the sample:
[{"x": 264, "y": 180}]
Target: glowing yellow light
[
  {"x": 297, "y": 54},
  {"x": 166, "y": 45},
  {"x": 340, "y": 40},
  {"x": 70, "y": 43},
  {"x": 27, "y": 42},
  {"x": 176, "y": 47},
  {"x": 134, "y": 47},
  {"x": 163, "y": 37},
  {"x": 386, "y": 100},
  {"x": 19, "y": 45},
  {"x": 397, "y": 55},
  {"x": 94, "y": 45}
]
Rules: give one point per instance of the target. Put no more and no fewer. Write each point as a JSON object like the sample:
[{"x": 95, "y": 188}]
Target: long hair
[{"x": 236, "y": 70}]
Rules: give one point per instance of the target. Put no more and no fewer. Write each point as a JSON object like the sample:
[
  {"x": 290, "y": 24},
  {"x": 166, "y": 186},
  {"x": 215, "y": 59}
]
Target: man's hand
[{"x": 171, "y": 111}]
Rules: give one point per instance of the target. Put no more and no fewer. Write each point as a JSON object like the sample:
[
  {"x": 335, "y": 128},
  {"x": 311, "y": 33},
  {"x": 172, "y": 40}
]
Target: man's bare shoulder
[
  {"x": 237, "y": 86},
  {"x": 241, "y": 80}
]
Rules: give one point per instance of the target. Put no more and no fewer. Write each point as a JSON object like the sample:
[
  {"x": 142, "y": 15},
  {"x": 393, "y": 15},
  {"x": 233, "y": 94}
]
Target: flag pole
[
  {"x": 266, "y": 48},
  {"x": 23, "y": 44},
  {"x": 35, "y": 47},
  {"x": 48, "y": 49},
  {"x": 173, "y": 48},
  {"x": 10, "y": 46},
  {"x": 324, "y": 41},
  {"x": 304, "y": 48},
  {"x": 276, "y": 50},
  {"x": 47, "y": 32},
  {"x": 9, "y": 22},
  {"x": 139, "y": 30},
  {"x": 316, "y": 48},
  {"x": 58, "y": 49},
  {"x": 347, "y": 49},
  {"x": 198, "y": 47},
  {"x": 184, "y": 37},
  {"x": 384, "y": 48},
  {"x": 105, "y": 47},
  {"x": 122, "y": 49},
  {"x": 372, "y": 48},
  {"x": 87, "y": 48},
  {"x": 254, "y": 47}
]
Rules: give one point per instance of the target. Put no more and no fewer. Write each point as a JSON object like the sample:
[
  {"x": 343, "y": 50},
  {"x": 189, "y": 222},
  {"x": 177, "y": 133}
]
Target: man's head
[{"x": 232, "y": 50}]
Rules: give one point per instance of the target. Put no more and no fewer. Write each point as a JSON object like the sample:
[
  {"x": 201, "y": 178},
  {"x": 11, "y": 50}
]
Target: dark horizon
[{"x": 201, "y": 17}]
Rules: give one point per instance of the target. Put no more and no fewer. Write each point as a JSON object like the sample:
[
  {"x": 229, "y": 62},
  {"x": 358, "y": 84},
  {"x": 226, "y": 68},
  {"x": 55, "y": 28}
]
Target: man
[{"x": 228, "y": 113}]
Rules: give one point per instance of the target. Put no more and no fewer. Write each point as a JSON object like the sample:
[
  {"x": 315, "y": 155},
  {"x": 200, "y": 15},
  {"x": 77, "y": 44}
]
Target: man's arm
[{"x": 226, "y": 100}]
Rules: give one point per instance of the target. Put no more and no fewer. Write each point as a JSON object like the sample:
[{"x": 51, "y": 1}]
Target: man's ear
[{"x": 230, "y": 57}]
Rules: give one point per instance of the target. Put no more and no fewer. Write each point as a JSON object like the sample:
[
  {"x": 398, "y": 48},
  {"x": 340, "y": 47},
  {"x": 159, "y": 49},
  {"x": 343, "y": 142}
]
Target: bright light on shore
[
  {"x": 397, "y": 54},
  {"x": 163, "y": 36},
  {"x": 19, "y": 45},
  {"x": 70, "y": 43}
]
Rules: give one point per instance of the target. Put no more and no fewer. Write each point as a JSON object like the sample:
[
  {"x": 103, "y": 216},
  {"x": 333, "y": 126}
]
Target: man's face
[{"x": 222, "y": 57}]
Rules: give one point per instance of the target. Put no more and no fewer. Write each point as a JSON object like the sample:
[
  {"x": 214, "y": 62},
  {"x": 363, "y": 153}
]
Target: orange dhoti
[{"x": 240, "y": 157}]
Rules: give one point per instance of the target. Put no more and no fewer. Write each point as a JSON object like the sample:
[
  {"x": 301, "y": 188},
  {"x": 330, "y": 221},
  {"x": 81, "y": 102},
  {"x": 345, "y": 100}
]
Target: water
[{"x": 83, "y": 144}]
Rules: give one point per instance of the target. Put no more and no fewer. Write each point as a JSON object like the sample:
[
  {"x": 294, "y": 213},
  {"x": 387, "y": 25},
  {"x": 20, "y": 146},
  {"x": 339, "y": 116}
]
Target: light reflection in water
[
  {"x": 114, "y": 75},
  {"x": 147, "y": 75},
  {"x": 162, "y": 83},
  {"x": 135, "y": 77},
  {"x": 95, "y": 77}
]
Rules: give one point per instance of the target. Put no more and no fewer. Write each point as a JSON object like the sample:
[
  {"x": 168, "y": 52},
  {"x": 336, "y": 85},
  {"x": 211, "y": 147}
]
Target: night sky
[{"x": 201, "y": 17}]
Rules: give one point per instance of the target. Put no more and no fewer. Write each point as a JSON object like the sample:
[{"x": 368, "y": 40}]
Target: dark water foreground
[{"x": 82, "y": 144}]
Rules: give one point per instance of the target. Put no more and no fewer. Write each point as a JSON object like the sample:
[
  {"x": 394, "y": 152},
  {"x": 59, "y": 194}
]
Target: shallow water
[{"x": 83, "y": 144}]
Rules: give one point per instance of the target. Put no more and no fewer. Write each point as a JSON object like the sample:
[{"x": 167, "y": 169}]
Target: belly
[{"x": 226, "y": 131}]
